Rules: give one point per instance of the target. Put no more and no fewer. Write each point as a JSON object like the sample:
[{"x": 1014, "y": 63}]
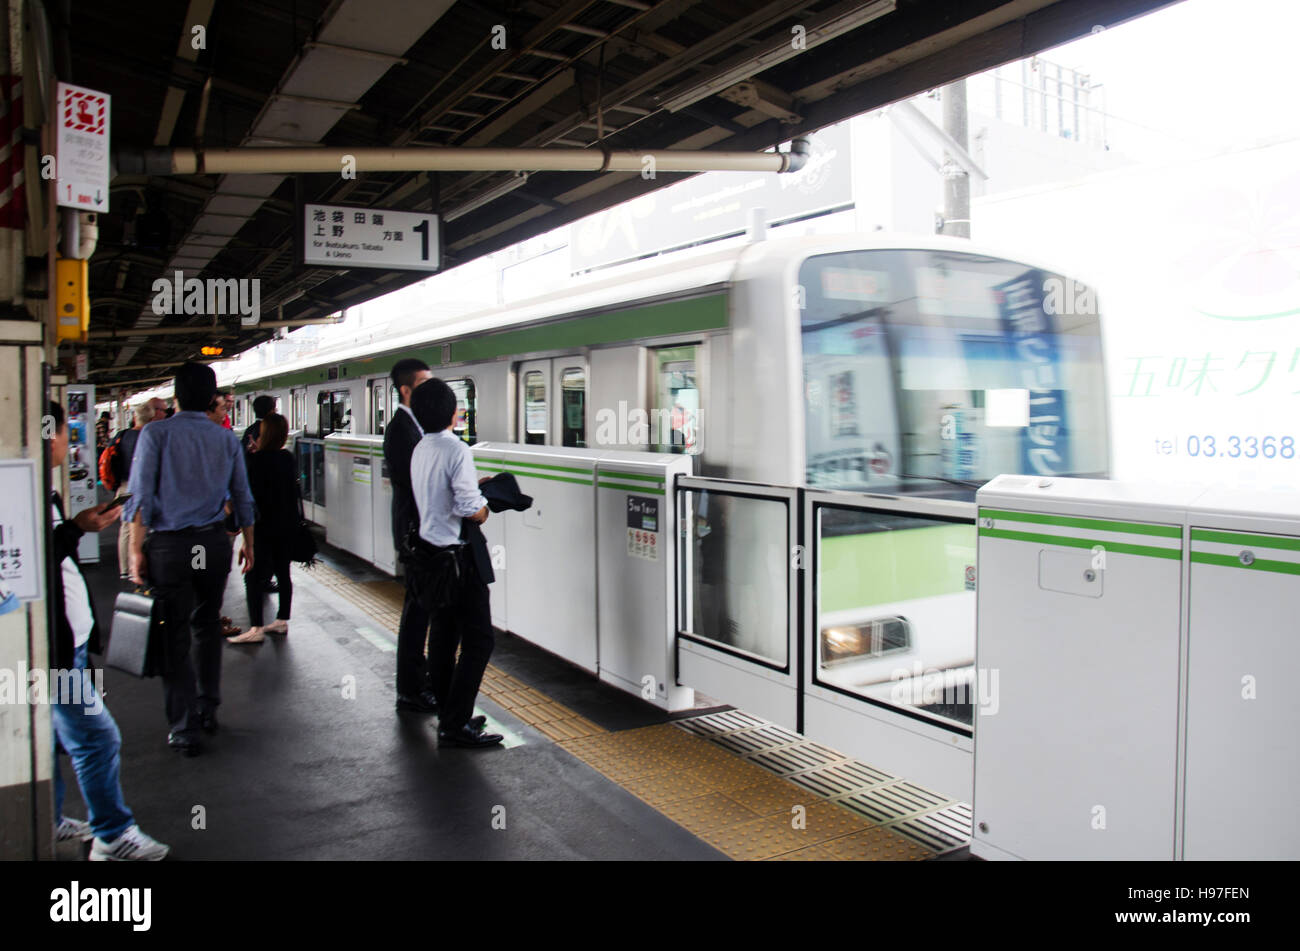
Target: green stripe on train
[
  {"x": 1259, "y": 564},
  {"x": 858, "y": 571},
  {"x": 671, "y": 317},
  {"x": 1095, "y": 524},
  {"x": 1239, "y": 538},
  {"x": 695, "y": 315},
  {"x": 1118, "y": 548}
]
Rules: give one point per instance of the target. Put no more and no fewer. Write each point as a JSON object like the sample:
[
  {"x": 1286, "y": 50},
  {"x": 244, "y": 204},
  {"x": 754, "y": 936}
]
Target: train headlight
[{"x": 873, "y": 638}]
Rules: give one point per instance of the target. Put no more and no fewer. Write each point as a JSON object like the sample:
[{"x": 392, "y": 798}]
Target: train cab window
[
  {"x": 930, "y": 371},
  {"x": 465, "y": 426},
  {"x": 335, "y": 412},
  {"x": 675, "y": 426},
  {"x": 536, "y": 414},
  {"x": 573, "y": 407},
  {"x": 378, "y": 406}
]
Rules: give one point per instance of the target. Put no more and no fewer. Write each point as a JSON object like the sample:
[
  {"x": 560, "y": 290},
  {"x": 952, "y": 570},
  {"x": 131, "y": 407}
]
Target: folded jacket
[{"x": 502, "y": 493}]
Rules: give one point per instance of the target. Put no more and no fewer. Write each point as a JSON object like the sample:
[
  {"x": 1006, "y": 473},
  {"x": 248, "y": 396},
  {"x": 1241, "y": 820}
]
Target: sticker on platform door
[{"x": 642, "y": 544}]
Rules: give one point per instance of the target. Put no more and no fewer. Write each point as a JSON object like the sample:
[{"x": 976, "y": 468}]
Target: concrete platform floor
[{"x": 299, "y": 770}]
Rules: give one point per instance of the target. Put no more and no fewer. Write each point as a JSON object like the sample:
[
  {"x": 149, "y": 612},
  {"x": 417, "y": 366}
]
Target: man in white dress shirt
[{"x": 446, "y": 489}]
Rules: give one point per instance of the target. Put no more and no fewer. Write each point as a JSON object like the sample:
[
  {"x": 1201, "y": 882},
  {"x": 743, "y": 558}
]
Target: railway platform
[{"x": 311, "y": 761}]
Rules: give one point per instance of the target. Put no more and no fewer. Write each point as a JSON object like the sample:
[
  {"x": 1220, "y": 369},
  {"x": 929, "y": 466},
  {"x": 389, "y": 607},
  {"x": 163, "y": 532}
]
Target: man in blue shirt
[
  {"x": 183, "y": 471},
  {"x": 447, "y": 498}
]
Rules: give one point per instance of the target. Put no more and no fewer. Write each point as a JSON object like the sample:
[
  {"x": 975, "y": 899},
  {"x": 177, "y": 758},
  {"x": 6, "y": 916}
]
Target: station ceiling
[{"x": 401, "y": 73}]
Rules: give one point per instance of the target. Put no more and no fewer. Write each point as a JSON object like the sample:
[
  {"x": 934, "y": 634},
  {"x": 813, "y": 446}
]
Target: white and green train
[{"x": 868, "y": 364}]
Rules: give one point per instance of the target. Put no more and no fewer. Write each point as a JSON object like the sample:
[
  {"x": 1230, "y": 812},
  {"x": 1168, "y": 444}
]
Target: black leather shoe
[
  {"x": 468, "y": 737},
  {"x": 208, "y": 721},
  {"x": 183, "y": 744},
  {"x": 478, "y": 722},
  {"x": 423, "y": 702}
]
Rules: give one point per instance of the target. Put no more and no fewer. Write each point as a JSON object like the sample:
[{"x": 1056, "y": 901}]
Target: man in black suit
[
  {"x": 400, "y": 438},
  {"x": 262, "y": 405}
]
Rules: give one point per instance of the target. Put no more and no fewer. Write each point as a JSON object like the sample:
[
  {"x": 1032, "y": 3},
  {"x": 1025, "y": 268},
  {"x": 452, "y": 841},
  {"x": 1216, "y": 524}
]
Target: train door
[
  {"x": 379, "y": 407},
  {"x": 675, "y": 423},
  {"x": 533, "y": 403},
  {"x": 552, "y": 402}
]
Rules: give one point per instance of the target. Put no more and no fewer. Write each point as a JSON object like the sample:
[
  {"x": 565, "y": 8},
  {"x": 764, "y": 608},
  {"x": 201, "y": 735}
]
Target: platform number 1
[{"x": 422, "y": 229}]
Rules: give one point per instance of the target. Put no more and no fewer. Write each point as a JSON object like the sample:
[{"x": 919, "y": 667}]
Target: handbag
[
  {"x": 434, "y": 574},
  {"x": 135, "y": 641},
  {"x": 302, "y": 543}
]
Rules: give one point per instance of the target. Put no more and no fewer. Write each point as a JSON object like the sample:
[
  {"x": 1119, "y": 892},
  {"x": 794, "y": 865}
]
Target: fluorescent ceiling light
[
  {"x": 834, "y": 22},
  {"x": 517, "y": 180}
]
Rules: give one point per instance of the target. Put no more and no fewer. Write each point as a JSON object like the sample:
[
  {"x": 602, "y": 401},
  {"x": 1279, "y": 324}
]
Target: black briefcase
[{"x": 135, "y": 641}]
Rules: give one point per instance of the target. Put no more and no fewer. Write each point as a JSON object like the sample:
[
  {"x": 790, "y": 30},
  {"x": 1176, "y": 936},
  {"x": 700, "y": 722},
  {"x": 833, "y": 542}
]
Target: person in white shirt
[
  {"x": 83, "y": 727},
  {"x": 446, "y": 490}
]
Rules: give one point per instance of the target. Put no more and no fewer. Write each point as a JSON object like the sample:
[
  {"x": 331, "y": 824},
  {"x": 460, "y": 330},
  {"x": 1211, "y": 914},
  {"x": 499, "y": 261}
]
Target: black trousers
[
  {"x": 187, "y": 574},
  {"x": 412, "y": 633},
  {"x": 465, "y": 624},
  {"x": 267, "y": 562}
]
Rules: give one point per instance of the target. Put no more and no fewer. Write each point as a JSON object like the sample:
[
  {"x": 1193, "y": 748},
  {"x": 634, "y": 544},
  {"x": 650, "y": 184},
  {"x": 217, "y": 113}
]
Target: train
[{"x": 878, "y": 365}]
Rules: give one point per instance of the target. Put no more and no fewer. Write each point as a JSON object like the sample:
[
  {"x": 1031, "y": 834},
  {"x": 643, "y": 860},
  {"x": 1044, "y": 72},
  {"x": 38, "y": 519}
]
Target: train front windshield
[{"x": 925, "y": 368}]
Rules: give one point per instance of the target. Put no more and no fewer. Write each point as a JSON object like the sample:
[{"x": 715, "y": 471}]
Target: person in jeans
[
  {"x": 446, "y": 489},
  {"x": 184, "y": 470},
  {"x": 273, "y": 479},
  {"x": 83, "y": 727}
]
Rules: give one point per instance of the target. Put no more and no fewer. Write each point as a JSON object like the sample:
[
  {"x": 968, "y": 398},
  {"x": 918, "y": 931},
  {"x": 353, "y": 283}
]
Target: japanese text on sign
[{"x": 337, "y": 236}]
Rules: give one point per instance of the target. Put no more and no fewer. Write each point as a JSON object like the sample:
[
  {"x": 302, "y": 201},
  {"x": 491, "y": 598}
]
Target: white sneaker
[
  {"x": 278, "y": 626},
  {"x": 70, "y": 829},
  {"x": 131, "y": 846}
]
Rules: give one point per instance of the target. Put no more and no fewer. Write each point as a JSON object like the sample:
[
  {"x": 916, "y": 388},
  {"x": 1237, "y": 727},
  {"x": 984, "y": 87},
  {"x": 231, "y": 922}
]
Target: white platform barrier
[
  {"x": 588, "y": 572},
  {"x": 1144, "y": 640}
]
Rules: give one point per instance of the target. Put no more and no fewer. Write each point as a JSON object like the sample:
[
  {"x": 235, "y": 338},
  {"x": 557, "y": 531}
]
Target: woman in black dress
[{"x": 273, "y": 479}]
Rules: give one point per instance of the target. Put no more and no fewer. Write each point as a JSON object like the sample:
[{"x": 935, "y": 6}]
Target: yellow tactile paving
[{"x": 737, "y": 806}]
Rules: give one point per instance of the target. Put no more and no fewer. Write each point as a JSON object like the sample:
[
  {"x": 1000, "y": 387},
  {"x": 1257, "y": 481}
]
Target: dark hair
[
  {"x": 196, "y": 385},
  {"x": 404, "y": 372},
  {"x": 274, "y": 432},
  {"x": 57, "y": 412},
  {"x": 262, "y": 405},
  {"x": 434, "y": 405}
]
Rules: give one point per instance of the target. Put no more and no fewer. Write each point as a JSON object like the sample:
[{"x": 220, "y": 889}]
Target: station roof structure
[{"x": 622, "y": 74}]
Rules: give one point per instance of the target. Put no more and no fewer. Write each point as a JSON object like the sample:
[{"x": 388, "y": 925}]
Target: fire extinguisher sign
[{"x": 82, "y": 148}]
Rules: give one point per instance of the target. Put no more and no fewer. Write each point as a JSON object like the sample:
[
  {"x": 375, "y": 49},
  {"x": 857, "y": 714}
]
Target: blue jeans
[{"x": 86, "y": 730}]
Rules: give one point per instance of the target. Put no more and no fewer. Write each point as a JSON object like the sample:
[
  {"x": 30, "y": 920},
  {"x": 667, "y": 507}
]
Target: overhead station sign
[
  {"x": 345, "y": 236},
  {"x": 81, "y": 144}
]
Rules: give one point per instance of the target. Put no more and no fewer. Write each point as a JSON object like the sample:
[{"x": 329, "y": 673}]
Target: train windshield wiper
[{"x": 964, "y": 483}]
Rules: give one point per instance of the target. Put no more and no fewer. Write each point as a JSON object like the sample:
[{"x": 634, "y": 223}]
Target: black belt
[{"x": 191, "y": 528}]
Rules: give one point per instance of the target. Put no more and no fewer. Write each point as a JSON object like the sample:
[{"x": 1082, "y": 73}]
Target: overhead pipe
[
  {"x": 292, "y": 161},
  {"x": 157, "y": 366},
  {"x": 222, "y": 330}
]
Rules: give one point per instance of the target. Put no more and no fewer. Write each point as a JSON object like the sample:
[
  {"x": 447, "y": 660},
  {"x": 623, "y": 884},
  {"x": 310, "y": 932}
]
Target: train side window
[
  {"x": 536, "y": 415},
  {"x": 335, "y": 412},
  {"x": 675, "y": 423},
  {"x": 378, "y": 406},
  {"x": 465, "y": 426},
  {"x": 299, "y": 419},
  {"x": 573, "y": 407}
]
